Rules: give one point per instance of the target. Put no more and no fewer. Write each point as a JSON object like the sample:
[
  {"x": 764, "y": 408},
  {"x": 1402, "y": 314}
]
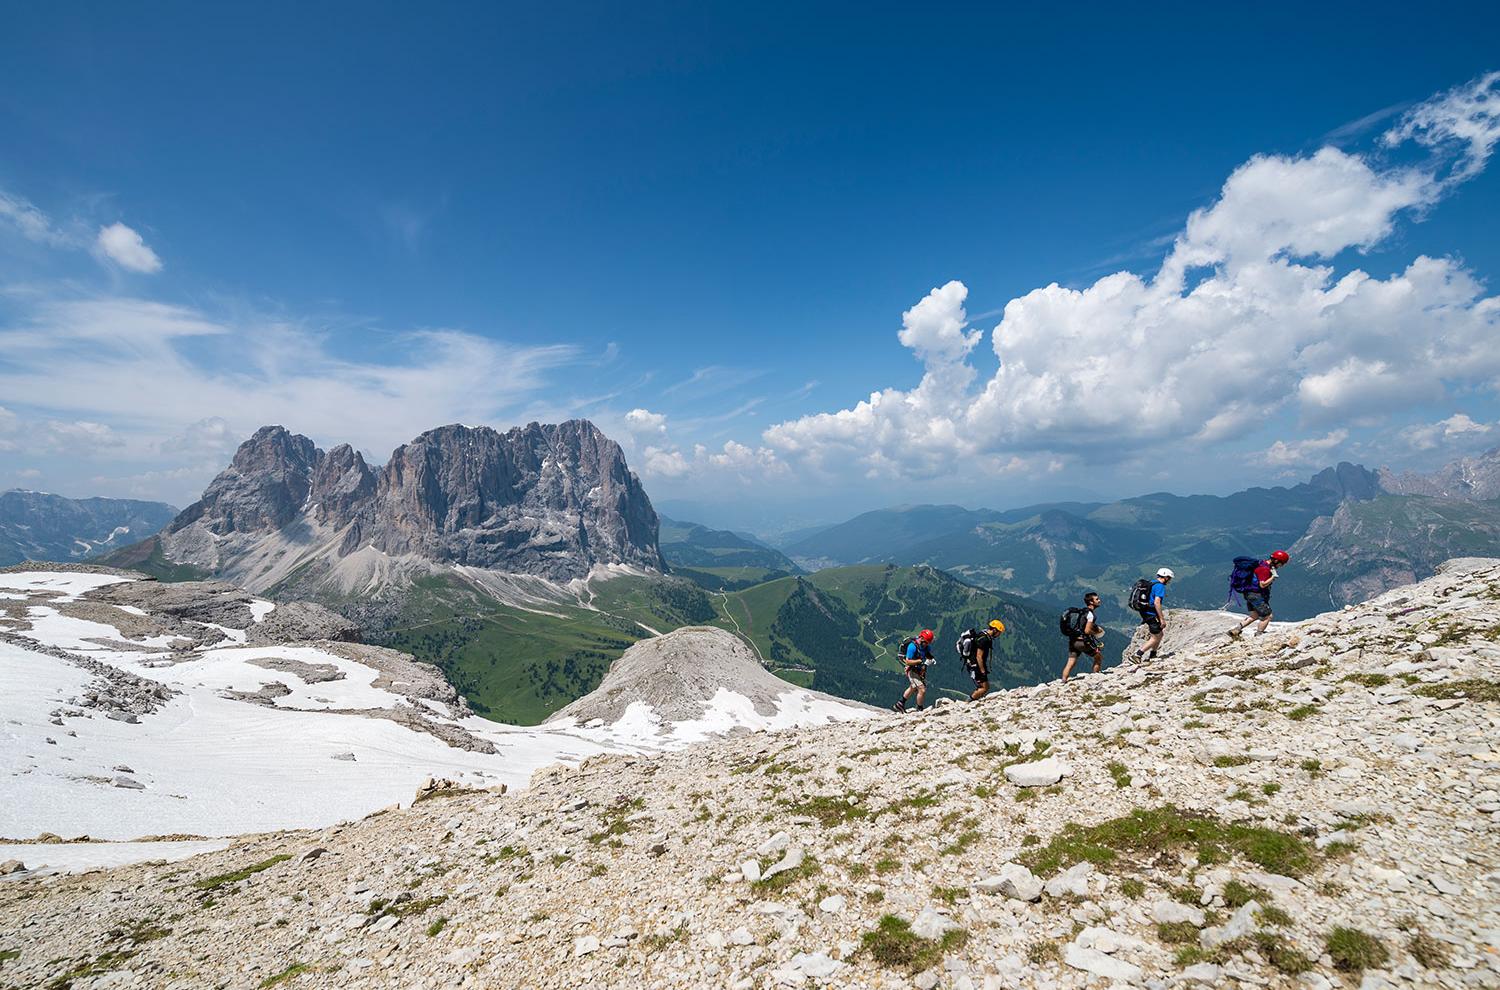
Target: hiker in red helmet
[
  {"x": 916, "y": 654},
  {"x": 1254, "y": 585}
]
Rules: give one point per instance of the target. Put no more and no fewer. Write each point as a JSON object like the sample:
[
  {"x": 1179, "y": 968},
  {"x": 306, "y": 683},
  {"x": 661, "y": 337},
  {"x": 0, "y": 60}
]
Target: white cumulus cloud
[
  {"x": 1302, "y": 453},
  {"x": 124, "y": 247},
  {"x": 643, "y": 421},
  {"x": 1460, "y": 429},
  {"x": 1247, "y": 318}
]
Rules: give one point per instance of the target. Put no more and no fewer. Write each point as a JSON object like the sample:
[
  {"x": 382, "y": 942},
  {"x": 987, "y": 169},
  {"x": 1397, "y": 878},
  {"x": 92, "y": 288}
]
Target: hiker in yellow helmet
[{"x": 975, "y": 647}]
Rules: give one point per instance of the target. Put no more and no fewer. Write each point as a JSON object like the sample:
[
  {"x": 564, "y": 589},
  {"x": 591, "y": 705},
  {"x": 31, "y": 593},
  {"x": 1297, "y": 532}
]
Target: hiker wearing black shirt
[
  {"x": 976, "y": 647},
  {"x": 1087, "y": 630}
]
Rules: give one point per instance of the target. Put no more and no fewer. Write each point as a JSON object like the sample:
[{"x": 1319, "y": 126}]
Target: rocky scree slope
[
  {"x": 549, "y": 501},
  {"x": 1323, "y": 811},
  {"x": 680, "y": 675}
]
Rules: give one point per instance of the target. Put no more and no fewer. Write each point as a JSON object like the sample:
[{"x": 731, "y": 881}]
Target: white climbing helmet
[{"x": 1165, "y": 574}]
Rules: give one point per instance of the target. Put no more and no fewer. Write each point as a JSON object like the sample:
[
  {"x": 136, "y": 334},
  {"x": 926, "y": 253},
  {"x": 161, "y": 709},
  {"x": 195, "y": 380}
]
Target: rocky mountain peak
[
  {"x": 540, "y": 499},
  {"x": 547, "y": 500},
  {"x": 264, "y": 487},
  {"x": 1348, "y": 481}
]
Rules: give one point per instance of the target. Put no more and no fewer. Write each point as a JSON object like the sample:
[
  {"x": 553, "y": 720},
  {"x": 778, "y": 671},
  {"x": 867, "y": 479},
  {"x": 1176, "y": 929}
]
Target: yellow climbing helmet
[{"x": 997, "y": 625}]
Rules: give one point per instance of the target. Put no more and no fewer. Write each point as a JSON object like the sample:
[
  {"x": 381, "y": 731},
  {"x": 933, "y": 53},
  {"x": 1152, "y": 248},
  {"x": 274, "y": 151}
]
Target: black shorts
[
  {"x": 1082, "y": 647},
  {"x": 1258, "y": 604},
  {"x": 1151, "y": 621}
]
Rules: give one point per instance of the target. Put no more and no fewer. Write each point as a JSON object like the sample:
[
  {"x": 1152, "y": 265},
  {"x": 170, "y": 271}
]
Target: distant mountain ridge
[
  {"x": 718, "y": 559},
  {"x": 549, "y": 502},
  {"x": 42, "y": 526},
  {"x": 1353, "y": 532},
  {"x": 1476, "y": 478}
]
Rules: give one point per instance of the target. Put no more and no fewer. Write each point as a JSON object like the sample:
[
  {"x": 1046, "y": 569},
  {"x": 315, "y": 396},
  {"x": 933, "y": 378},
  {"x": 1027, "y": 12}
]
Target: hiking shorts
[
  {"x": 1258, "y": 604},
  {"x": 981, "y": 677},
  {"x": 916, "y": 677},
  {"x": 1151, "y": 621},
  {"x": 1082, "y": 648}
]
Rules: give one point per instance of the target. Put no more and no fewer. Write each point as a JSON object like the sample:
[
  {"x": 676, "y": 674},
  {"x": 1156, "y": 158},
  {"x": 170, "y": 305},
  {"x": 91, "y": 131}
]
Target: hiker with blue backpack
[
  {"x": 916, "y": 655},
  {"x": 1148, "y": 599},
  {"x": 1251, "y": 579}
]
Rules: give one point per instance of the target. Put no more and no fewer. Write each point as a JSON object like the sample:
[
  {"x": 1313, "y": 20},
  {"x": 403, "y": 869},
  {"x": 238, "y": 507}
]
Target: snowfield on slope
[{"x": 256, "y": 738}]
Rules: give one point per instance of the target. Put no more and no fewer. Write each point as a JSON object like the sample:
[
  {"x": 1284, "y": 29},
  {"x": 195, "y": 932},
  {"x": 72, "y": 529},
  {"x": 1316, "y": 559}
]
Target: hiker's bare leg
[{"x": 1068, "y": 667}]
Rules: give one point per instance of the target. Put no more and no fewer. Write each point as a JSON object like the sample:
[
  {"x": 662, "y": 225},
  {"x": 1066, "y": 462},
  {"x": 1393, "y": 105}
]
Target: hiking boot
[
  {"x": 1235, "y": 632},
  {"x": 899, "y": 706}
]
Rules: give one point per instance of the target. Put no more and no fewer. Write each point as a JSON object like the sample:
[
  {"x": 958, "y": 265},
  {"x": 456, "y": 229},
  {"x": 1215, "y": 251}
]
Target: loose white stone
[
  {"x": 1096, "y": 962},
  {"x": 1175, "y": 912}
]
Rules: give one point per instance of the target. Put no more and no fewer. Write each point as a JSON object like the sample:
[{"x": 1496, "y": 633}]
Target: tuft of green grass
[
  {"x": 6, "y": 955},
  {"x": 1312, "y": 766},
  {"x": 1337, "y": 850},
  {"x": 963, "y": 841},
  {"x": 780, "y": 881},
  {"x": 1368, "y": 680},
  {"x": 1273, "y": 946},
  {"x": 1427, "y": 950},
  {"x": 1237, "y": 760},
  {"x": 829, "y": 811},
  {"x": 1473, "y": 688},
  {"x": 1301, "y": 712},
  {"x": 1238, "y": 894},
  {"x": 1354, "y": 951},
  {"x": 293, "y": 971},
  {"x": 887, "y": 864},
  {"x": 1269, "y": 789},
  {"x": 436, "y": 927},
  {"x": 655, "y": 943},
  {"x": 1146, "y": 833},
  {"x": 895, "y": 946},
  {"x": 1119, "y": 772},
  {"x": 1274, "y": 916},
  {"x": 223, "y": 879},
  {"x": 1043, "y": 951},
  {"x": 949, "y": 895},
  {"x": 1132, "y": 887},
  {"x": 1177, "y": 932}
]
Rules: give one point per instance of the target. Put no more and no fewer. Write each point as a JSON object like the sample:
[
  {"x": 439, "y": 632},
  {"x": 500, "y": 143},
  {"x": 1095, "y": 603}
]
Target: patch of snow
[
  {"x": 80, "y": 857},
  {"x": 260, "y": 609},
  {"x": 133, "y": 610},
  {"x": 640, "y": 727},
  {"x": 69, "y": 583}
]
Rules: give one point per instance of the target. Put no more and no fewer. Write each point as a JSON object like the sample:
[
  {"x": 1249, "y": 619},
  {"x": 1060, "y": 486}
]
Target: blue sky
[{"x": 703, "y": 227}]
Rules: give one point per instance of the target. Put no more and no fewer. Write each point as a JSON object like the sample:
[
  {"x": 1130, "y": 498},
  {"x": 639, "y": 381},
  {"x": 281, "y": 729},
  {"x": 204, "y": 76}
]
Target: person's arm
[
  {"x": 1266, "y": 582},
  {"x": 1161, "y": 612}
]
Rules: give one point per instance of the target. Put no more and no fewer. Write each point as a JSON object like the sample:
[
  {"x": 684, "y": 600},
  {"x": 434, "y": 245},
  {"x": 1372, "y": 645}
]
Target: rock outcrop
[
  {"x": 679, "y": 675},
  {"x": 547, "y": 501},
  {"x": 1323, "y": 811}
]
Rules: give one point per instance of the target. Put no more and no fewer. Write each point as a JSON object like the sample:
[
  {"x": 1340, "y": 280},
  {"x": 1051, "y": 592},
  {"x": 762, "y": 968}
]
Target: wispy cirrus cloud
[{"x": 145, "y": 373}]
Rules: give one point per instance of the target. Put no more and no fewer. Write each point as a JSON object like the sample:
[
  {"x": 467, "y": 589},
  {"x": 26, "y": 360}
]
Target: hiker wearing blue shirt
[
  {"x": 1154, "y": 615},
  {"x": 917, "y": 657}
]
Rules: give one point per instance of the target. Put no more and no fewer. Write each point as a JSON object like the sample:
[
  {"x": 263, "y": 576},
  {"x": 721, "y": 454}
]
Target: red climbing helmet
[
  {"x": 1280, "y": 557},
  {"x": 925, "y": 635}
]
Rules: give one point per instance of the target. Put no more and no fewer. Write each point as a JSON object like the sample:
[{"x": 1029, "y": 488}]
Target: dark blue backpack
[{"x": 1242, "y": 578}]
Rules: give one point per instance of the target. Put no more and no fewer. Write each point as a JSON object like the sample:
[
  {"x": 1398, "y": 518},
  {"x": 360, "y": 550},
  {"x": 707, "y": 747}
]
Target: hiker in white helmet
[{"x": 1154, "y": 614}]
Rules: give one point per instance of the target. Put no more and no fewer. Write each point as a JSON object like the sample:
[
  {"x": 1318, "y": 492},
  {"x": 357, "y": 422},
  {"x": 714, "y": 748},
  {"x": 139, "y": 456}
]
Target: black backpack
[
  {"x": 1071, "y": 623},
  {"x": 901, "y": 647},
  {"x": 1140, "y": 595}
]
